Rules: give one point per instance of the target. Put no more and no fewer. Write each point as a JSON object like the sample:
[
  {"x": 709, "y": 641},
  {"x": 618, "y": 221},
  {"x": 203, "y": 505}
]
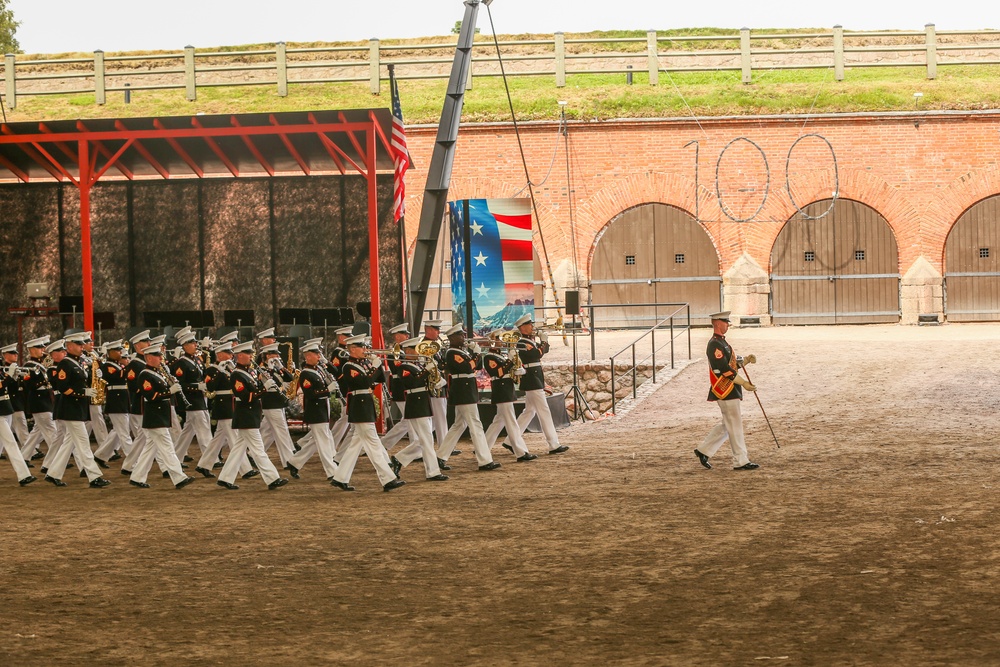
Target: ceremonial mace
[{"x": 747, "y": 373}]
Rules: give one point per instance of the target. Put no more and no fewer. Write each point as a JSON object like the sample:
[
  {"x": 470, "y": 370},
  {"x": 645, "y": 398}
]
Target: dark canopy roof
[{"x": 230, "y": 145}]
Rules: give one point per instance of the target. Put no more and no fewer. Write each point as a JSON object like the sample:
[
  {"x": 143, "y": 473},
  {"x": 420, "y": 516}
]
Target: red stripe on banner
[
  {"x": 519, "y": 221},
  {"x": 515, "y": 251}
]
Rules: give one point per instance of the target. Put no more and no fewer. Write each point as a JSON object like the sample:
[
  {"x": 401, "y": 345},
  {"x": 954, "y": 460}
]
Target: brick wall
[{"x": 920, "y": 171}]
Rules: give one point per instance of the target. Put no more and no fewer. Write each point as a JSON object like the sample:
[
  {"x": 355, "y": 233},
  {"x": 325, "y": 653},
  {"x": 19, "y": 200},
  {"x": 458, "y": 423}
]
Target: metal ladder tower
[{"x": 439, "y": 172}]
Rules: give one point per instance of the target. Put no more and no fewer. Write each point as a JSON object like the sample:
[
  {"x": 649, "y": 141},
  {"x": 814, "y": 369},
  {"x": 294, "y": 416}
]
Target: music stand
[
  {"x": 238, "y": 318},
  {"x": 293, "y": 316},
  {"x": 105, "y": 320},
  {"x": 330, "y": 317},
  {"x": 71, "y": 305}
]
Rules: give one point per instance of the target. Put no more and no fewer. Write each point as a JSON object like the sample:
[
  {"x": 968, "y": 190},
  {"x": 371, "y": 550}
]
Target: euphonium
[{"x": 429, "y": 348}]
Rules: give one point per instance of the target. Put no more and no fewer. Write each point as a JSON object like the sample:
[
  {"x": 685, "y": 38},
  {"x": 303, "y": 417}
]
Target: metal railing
[
  {"x": 557, "y": 57},
  {"x": 651, "y": 332}
]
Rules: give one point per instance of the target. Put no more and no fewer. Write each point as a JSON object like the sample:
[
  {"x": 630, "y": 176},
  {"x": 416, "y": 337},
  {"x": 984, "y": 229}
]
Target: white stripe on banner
[
  {"x": 512, "y": 233},
  {"x": 510, "y": 206},
  {"x": 518, "y": 272}
]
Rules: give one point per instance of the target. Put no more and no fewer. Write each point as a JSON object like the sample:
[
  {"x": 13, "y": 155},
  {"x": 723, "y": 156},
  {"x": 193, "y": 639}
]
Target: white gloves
[
  {"x": 475, "y": 349},
  {"x": 270, "y": 384},
  {"x": 520, "y": 371},
  {"x": 89, "y": 392},
  {"x": 743, "y": 382},
  {"x": 543, "y": 336},
  {"x": 749, "y": 359},
  {"x": 12, "y": 371},
  {"x": 332, "y": 387},
  {"x": 175, "y": 389},
  {"x": 202, "y": 386},
  {"x": 274, "y": 363},
  {"x": 440, "y": 383}
]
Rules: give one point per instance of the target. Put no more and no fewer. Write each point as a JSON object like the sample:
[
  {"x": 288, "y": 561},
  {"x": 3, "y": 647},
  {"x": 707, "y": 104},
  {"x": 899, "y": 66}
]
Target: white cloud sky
[{"x": 53, "y": 26}]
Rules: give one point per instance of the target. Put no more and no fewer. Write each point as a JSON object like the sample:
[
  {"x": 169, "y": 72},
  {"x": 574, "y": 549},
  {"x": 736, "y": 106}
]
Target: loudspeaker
[{"x": 572, "y": 302}]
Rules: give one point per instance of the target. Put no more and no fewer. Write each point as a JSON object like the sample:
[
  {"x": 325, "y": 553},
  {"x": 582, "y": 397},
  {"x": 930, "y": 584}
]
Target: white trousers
[
  {"x": 45, "y": 429},
  {"x": 76, "y": 443},
  {"x": 12, "y": 451},
  {"x": 196, "y": 423},
  {"x": 535, "y": 404},
  {"x": 97, "y": 425},
  {"x": 138, "y": 442},
  {"x": 19, "y": 425},
  {"x": 466, "y": 415},
  {"x": 421, "y": 444},
  {"x": 274, "y": 428},
  {"x": 122, "y": 439},
  {"x": 505, "y": 418},
  {"x": 365, "y": 436},
  {"x": 399, "y": 429},
  {"x": 321, "y": 443},
  {"x": 159, "y": 446},
  {"x": 439, "y": 412},
  {"x": 248, "y": 443},
  {"x": 731, "y": 428},
  {"x": 224, "y": 437}
]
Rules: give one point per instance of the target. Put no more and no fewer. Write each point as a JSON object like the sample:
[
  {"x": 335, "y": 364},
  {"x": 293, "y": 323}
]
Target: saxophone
[
  {"x": 98, "y": 384},
  {"x": 293, "y": 386}
]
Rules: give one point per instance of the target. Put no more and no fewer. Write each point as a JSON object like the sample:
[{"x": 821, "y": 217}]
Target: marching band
[{"x": 72, "y": 391}]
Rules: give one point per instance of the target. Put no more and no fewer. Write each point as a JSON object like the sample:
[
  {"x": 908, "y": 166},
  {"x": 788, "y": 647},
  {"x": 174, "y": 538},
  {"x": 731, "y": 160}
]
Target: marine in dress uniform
[
  {"x": 7, "y": 441},
  {"x": 461, "y": 364},
  {"x": 274, "y": 427},
  {"x": 317, "y": 385},
  {"x": 18, "y": 421},
  {"x": 358, "y": 376},
  {"x": 220, "y": 388},
  {"x": 96, "y": 423},
  {"x": 500, "y": 369},
  {"x": 140, "y": 342},
  {"x": 247, "y": 416},
  {"x": 533, "y": 384},
  {"x": 39, "y": 401},
  {"x": 727, "y": 392},
  {"x": 439, "y": 398},
  {"x": 338, "y": 357},
  {"x": 156, "y": 393},
  {"x": 397, "y": 392},
  {"x": 189, "y": 370},
  {"x": 73, "y": 411},
  {"x": 116, "y": 405},
  {"x": 418, "y": 415}
]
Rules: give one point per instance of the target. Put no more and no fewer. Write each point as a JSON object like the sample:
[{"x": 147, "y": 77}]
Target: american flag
[{"x": 400, "y": 156}]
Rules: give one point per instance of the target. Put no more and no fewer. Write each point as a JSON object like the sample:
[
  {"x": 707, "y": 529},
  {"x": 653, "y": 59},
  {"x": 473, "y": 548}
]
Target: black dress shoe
[
  {"x": 217, "y": 465},
  {"x": 527, "y": 457},
  {"x": 166, "y": 474},
  {"x": 748, "y": 466},
  {"x": 330, "y": 478},
  {"x": 492, "y": 465},
  {"x": 508, "y": 447},
  {"x": 27, "y": 480},
  {"x": 438, "y": 478},
  {"x": 141, "y": 485},
  {"x": 394, "y": 484},
  {"x": 29, "y": 464},
  {"x": 559, "y": 450},
  {"x": 443, "y": 464},
  {"x": 395, "y": 465},
  {"x": 101, "y": 462},
  {"x": 227, "y": 485},
  {"x": 114, "y": 457},
  {"x": 184, "y": 482},
  {"x": 37, "y": 455},
  {"x": 83, "y": 473},
  {"x": 99, "y": 483},
  {"x": 703, "y": 459},
  {"x": 53, "y": 480},
  {"x": 281, "y": 481},
  {"x": 205, "y": 472},
  {"x": 125, "y": 472},
  {"x": 292, "y": 470},
  {"x": 252, "y": 473},
  {"x": 456, "y": 452},
  {"x": 44, "y": 469},
  {"x": 342, "y": 485},
  {"x": 187, "y": 459}
]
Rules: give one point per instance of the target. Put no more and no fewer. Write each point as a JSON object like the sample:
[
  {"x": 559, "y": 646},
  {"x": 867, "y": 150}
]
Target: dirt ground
[{"x": 869, "y": 537}]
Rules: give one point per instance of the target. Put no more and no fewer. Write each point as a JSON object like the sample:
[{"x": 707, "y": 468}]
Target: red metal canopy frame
[{"x": 227, "y": 146}]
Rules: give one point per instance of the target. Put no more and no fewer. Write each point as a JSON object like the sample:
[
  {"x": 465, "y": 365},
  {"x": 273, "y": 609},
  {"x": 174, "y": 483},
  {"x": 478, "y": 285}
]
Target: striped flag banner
[{"x": 400, "y": 155}]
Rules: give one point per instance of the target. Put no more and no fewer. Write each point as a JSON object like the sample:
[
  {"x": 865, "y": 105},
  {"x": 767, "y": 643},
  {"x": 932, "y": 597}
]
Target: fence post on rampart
[
  {"x": 10, "y": 81},
  {"x": 931, "y": 51},
  {"x": 653, "y": 49},
  {"x": 375, "y": 80},
  {"x": 191, "y": 93},
  {"x": 745, "y": 53},
  {"x": 99, "y": 92},
  {"x": 560, "y": 60},
  {"x": 838, "y": 52},
  {"x": 281, "y": 65}
]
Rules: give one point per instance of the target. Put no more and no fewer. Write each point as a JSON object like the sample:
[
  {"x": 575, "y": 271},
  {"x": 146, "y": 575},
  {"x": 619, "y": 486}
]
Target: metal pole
[
  {"x": 652, "y": 341},
  {"x": 88, "y": 285},
  {"x": 614, "y": 388},
  {"x": 634, "y": 394},
  {"x": 747, "y": 373}
]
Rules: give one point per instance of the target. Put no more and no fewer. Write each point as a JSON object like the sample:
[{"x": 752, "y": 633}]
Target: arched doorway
[
  {"x": 654, "y": 253},
  {"x": 972, "y": 264},
  {"x": 840, "y": 269}
]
